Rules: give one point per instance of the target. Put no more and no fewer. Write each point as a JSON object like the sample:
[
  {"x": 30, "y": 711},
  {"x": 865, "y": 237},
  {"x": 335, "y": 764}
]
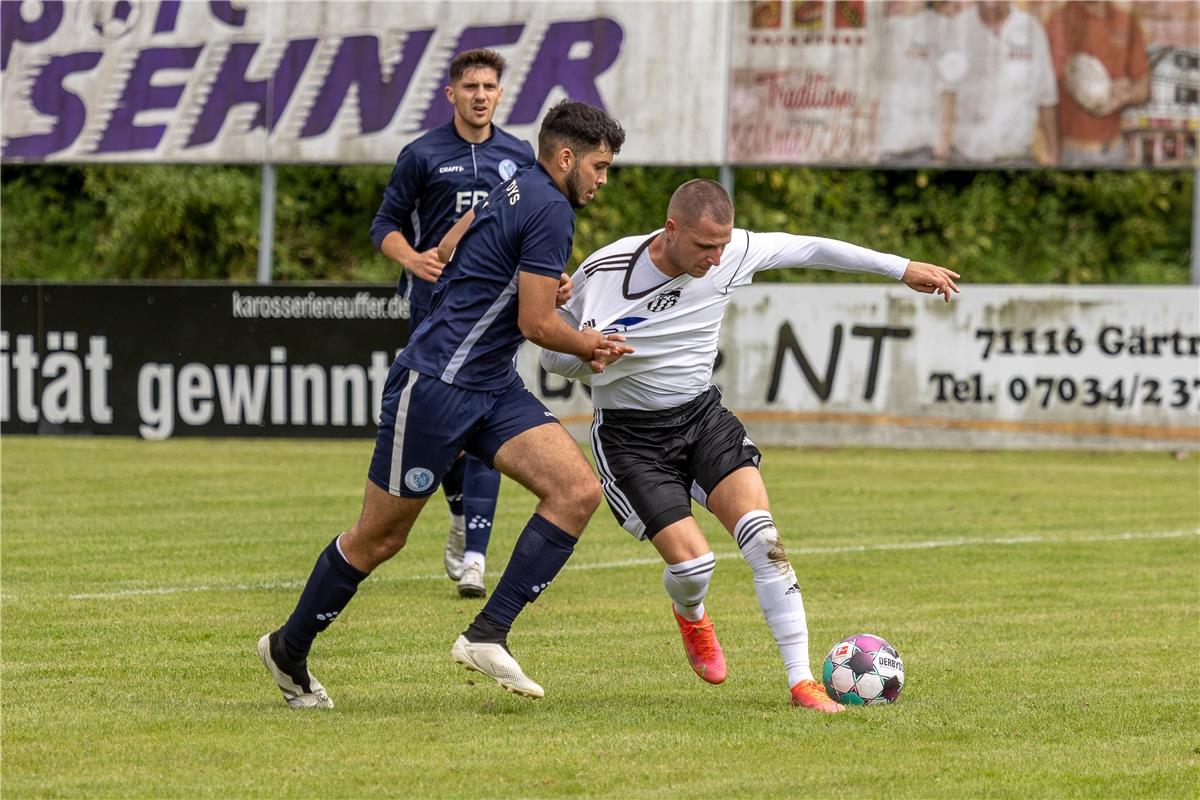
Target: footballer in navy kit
[
  {"x": 454, "y": 388},
  {"x": 437, "y": 178}
]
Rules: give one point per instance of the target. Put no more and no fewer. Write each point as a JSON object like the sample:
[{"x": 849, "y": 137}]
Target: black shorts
[{"x": 652, "y": 463}]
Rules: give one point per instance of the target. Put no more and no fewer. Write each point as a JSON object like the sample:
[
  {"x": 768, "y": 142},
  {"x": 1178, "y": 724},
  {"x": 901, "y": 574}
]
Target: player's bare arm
[
  {"x": 540, "y": 323},
  {"x": 450, "y": 241},
  {"x": 930, "y": 279},
  {"x": 425, "y": 265}
]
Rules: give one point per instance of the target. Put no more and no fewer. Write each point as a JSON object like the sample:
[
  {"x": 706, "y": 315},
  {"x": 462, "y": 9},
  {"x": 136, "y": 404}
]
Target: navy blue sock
[
  {"x": 330, "y": 586},
  {"x": 452, "y": 485},
  {"x": 481, "y": 485},
  {"x": 541, "y": 551}
]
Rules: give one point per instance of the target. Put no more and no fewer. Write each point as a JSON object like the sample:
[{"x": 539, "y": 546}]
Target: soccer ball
[
  {"x": 1089, "y": 82},
  {"x": 112, "y": 19},
  {"x": 863, "y": 670}
]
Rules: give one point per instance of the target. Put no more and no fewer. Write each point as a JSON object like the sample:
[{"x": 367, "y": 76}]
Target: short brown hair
[
  {"x": 473, "y": 59},
  {"x": 700, "y": 198}
]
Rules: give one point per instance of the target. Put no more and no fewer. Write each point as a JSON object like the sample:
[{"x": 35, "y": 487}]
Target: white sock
[
  {"x": 473, "y": 557},
  {"x": 687, "y": 583},
  {"x": 458, "y": 522},
  {"x": 778, "y": 591}
]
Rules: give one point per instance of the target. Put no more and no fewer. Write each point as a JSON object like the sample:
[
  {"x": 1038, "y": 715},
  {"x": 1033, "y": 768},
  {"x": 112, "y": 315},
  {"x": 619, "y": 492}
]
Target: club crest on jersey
[
  {"x": 664, "y": 300},
  {"x": 507, "y": 168},
  {"x": 418, "y": 479}
]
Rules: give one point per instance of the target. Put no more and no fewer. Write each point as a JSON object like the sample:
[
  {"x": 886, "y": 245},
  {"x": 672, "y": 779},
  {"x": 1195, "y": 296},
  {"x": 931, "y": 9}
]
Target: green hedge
[{"x": 189, "y": 221}]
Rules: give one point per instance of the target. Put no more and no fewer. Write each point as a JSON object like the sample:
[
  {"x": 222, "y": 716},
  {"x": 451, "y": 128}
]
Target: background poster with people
[
  {"x": 902, "y": 83},
  {"x": 1074, "y": 84}
]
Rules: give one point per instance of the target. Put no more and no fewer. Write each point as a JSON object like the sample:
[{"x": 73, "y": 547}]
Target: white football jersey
[{"x": 673, "y": 323}]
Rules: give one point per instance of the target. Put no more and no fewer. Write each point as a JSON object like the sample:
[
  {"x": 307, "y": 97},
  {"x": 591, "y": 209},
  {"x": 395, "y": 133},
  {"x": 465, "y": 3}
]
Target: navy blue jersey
[
  {"x": 437, "y": 179},
  {"x": 471, "y": 335}
]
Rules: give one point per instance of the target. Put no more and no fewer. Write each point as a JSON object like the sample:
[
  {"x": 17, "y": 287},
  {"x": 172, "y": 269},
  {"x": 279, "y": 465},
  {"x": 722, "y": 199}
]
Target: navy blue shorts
[{"x": 424, "y": 424}]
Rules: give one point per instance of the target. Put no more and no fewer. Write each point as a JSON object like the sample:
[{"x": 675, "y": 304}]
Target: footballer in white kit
[{"x": 660, "y": 435}]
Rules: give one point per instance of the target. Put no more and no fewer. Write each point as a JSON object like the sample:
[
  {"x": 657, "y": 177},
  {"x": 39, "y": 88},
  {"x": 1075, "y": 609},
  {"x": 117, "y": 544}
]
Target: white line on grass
[{"x": 641, "y": 562}]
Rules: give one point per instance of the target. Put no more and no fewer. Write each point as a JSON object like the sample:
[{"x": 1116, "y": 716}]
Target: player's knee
[
  {"x": 375, "y": 544},
  {"x": 395, "y": 540},
  {"x": 590, "y": 495},
  {"x": 577, "y": 500},
  {"x": 389, "y": 546}
]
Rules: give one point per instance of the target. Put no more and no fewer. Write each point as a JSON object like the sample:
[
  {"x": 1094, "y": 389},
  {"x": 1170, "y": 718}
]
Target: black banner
[{"x": 161, "y": 360}]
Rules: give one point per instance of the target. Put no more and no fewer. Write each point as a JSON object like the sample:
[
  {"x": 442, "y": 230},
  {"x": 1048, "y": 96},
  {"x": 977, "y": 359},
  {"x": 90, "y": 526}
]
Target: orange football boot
[
  {"x": 811, "y": 694},
  {"x": 703, "y": 650}
]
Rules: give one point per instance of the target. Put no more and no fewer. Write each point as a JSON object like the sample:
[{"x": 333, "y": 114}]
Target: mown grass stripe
[{"x": 641, "y": 562}]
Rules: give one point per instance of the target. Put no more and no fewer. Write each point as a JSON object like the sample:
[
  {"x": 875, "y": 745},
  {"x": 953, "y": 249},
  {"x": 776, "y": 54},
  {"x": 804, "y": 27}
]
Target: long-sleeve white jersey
[{"x": 673, "y": 323}]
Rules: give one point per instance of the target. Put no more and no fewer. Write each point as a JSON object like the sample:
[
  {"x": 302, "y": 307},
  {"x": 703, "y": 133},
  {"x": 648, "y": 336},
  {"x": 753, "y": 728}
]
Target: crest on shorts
[
  {"x": 418, "y": 479},
  {"x": 664, "y": 300}
]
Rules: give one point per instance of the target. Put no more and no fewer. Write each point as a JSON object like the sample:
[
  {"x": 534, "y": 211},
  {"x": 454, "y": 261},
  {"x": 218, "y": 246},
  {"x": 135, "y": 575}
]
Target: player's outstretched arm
[
  {"x": 776, "y": 250},
  {"x": 930, "y": 279}
]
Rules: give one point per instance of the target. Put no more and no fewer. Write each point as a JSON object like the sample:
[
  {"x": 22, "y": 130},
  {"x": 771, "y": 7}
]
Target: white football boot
[
  {"x": 299, "y": 687},
  {"x": 495, "y": 662},
  {"x": 471, "y": 583}
]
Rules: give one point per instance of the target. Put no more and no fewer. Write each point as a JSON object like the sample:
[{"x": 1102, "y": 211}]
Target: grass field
[{"x": 1046, "y": 605}]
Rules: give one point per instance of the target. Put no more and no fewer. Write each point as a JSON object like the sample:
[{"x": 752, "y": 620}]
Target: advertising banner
[
  {"x": 167, "y": 360},
  {"x": 830, "y": 365},
  {"x": 843, "y": 82},
  {"x": 999, "y": 367},
  {"x": 1072, "y": 84},
  {"x": 341, "y": 81}
]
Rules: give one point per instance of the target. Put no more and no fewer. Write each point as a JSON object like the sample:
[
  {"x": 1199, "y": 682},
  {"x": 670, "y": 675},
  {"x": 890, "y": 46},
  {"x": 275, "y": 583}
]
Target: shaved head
[
  {"x": 699, "y": 227},
  {"x": 700, "y": 199}
]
